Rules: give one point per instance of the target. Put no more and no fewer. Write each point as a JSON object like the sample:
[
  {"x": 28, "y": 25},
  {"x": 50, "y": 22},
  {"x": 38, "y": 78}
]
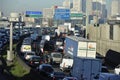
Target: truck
[
  {"x": 66, "y": 63},
  {"x": 86, "y": 68},
  {"x": 81, "y": 47},
  {"x": 63, "y": 28}
]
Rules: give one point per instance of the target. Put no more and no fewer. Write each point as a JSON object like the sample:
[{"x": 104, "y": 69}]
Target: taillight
[
  {"x": 41, "y": 62},
  {"x": 31, "y": 62}
]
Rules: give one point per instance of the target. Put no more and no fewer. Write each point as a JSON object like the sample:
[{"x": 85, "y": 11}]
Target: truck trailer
[
  {"x": 81, "y": 47},
  {"x": 86, "y": 68}
]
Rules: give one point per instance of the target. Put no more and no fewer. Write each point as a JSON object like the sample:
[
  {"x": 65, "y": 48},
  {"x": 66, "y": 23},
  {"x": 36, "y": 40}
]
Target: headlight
[{"x": 51, "y": 75}]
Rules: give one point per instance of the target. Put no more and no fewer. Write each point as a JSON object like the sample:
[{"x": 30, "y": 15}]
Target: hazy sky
[{"x": 7, "y": 6}]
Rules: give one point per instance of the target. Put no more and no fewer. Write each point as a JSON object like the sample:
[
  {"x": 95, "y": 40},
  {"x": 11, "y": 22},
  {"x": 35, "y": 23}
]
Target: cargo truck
[
  {"x": 86, "y": 68},
  {"x": 81, "y": 47}
]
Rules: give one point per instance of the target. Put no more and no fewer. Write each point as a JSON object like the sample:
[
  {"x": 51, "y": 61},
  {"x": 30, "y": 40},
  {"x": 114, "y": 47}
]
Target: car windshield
[
  {"x": 30, "y": 53},
  {"x": 57, "y": 55},
  {"x": 36, "y": 59}
]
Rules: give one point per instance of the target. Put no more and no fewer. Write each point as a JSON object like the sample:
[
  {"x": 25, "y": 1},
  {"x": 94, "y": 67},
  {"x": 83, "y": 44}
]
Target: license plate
[{"x": 36, "y": 62}]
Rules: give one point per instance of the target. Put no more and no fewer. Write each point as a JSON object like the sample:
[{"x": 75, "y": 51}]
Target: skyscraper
[
  {"x": 114, "y": 7},
  {"x": 89, "y": 7},
  {"x": 66, "y": 4},
  {"x": 77, "y": 5}
]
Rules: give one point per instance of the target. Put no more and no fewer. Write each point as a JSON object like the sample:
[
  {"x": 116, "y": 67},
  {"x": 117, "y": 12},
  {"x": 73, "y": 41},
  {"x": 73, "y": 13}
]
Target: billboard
[
  {"x": 35, "y": 14},
  {"x": 76, "y": 16}
]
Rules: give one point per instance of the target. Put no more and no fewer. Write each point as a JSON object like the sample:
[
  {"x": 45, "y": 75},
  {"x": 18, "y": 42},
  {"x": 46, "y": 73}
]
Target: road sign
[
  {"x": 76, "y": 16},
  {"x": 62, "y": 10},
  {"x": 35, "y": 14},
  {"x": 62, "y": 14}
]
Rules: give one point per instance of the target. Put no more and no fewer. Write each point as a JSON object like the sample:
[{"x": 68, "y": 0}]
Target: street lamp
[{"x": 10, "y": 55}]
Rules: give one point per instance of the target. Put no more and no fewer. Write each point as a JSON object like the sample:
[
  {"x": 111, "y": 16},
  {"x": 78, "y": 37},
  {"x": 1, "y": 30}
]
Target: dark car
[
  {"x": 1, "y": 66},
  {"x": 35, "y": 61},
  {"x": 58, "y": 75},
  {"x": 46, "y": 69}
]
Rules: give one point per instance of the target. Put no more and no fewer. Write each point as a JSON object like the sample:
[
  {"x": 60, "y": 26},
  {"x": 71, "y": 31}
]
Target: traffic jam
[
  {"x": 55, "y": 56},
  {"x": 46, "y": 55}
]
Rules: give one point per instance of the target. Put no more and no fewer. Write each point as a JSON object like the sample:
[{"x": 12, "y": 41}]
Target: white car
[
  {"x": 117, "y": 70},
  {"x": 55, "y": 57}
]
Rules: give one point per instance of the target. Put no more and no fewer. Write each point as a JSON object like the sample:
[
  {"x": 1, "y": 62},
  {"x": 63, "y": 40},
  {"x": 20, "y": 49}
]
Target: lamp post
[{"x": 10, "y": 55}]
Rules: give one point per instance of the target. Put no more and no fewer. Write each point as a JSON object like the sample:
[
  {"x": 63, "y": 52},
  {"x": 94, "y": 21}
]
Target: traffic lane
[
  {"x": 34, "y": 75},
  {"x": 6, "y": 76},
  {"x": 56, "y": 68},
  {"x": 2, "y": 77}
]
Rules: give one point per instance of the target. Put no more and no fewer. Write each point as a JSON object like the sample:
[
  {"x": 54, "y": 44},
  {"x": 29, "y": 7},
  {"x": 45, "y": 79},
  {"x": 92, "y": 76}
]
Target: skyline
[{"x": 7, "y": 6}]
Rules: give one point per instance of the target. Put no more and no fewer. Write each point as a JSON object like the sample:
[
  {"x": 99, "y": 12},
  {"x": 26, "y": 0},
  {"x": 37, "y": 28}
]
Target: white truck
[
  {"x": 81, "y": 47},
  {"x": 86, "y": 68},
  {"x": 67, "y": 63}
]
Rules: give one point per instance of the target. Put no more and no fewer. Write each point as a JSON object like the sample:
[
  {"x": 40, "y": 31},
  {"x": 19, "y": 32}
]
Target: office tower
[
  {"x": 66, "y": 4},
  {"x": 89, "y": 7},
  {"x": 77, "y": 5},
  {"x": 114, "y": 7}
]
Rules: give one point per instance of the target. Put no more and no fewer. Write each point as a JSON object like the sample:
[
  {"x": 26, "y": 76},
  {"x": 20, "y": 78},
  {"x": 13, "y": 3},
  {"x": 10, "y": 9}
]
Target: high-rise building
[
  {"x": 47, "y": 13},
  {"x": 47, "y": 16},
  {"x": 89, "y": 7},
  {"x": 66, "y": 4},
  {"x": 114, "y": 7},
  {"x": 1, "y": 14},
  {"x": 77, "y": 5},
  {"x": 119, "y": 5}
]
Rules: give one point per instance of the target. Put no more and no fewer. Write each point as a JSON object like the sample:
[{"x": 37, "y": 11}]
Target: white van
[
  {"x": 67, "y": 63},
  {"x": 26, "y": 48}
]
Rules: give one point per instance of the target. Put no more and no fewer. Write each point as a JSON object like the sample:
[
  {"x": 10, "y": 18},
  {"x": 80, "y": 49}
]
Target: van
[
  {"x": 26, "y": 48},
  {"x": 67, "y": 63}
]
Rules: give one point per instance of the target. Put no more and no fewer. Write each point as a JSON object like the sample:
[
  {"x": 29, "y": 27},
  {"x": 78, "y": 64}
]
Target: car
[
  {"x": 104, "y": 69},
  {"x": 70, "y": 78},
  {"x": 46, "y": 69},
  {"x": 35, "y": 61},
  {"x": 59, "y": 75},
  {"x": 28, "y": 55},
  {"x": 55, "y": 57}
]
